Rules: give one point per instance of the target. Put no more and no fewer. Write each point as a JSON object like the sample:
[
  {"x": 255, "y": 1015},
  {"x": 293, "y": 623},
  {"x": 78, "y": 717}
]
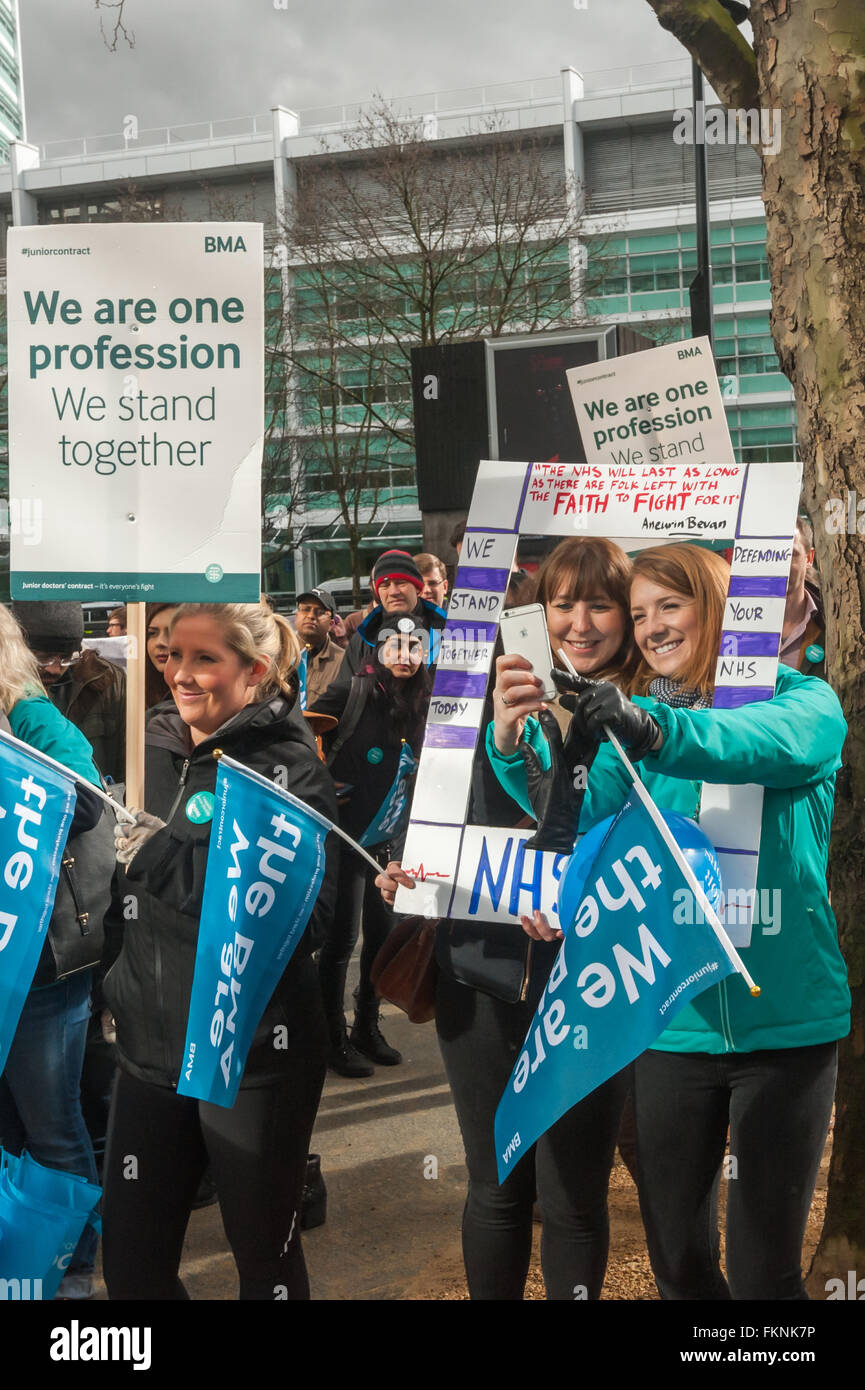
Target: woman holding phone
[
  {"x": 491, "y": 979},
  {"x": 765, "y": 1067}
]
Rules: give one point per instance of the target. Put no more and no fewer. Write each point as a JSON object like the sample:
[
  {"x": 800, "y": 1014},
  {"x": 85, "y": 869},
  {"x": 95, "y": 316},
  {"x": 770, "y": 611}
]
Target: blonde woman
[
  {"x": 231, "y": 672},
  {"x": 40, "y": 1103}
]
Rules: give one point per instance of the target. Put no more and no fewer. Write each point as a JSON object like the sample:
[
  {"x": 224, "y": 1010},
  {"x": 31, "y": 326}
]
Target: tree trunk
[
  {"x": 810, "y": 59},
  {"x": 809, "y": 55}
]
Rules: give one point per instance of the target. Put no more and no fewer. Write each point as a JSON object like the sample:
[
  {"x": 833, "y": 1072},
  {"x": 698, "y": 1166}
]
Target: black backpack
[{"x": 75, "y": 932}]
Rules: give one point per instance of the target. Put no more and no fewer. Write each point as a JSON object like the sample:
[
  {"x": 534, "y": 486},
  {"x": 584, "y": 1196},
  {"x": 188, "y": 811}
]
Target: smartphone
[{"x": 524, "y": 633}]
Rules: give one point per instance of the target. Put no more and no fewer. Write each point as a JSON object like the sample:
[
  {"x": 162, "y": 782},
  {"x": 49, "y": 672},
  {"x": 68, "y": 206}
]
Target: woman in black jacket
[
  {"x": 490, "y": 983},
  {"x": 231, "y": 673},
  {"x": 372, "y": 755}
]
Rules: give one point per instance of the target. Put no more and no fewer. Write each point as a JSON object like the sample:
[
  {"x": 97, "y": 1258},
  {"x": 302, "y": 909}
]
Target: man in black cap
[
  {"x": 90, "y": 691},
  {"x": 321, "y": 658}
]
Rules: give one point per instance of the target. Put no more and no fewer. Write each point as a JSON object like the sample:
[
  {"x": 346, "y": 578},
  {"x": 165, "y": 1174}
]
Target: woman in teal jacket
[
  {"x": 40, "y": 1088},
  {"x": 765, "y": 1067}
]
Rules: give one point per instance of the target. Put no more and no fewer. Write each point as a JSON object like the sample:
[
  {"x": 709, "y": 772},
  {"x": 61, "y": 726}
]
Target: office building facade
[{"x": 611, "y": 135}]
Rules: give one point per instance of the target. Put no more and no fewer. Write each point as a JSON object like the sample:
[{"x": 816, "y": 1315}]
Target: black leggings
[
  {"x": 777, "y": 1104},
  {"x": 357, "y": 896},
  {"x": 159, "y": 1144},
  {"x": 570, "y": 1165}
]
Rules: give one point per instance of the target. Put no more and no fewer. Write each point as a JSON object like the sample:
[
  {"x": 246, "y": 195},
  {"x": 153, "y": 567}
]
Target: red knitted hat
[{"x": 396, "y": 564}]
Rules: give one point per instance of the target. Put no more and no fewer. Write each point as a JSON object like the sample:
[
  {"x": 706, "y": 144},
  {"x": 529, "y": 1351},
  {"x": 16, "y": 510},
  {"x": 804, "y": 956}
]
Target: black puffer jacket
[{"x": 158, "y": 899}]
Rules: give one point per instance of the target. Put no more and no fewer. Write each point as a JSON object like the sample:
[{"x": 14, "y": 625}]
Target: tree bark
[
  {"x": 712, "y": 38},
  {"x": 810, "y": 59}
]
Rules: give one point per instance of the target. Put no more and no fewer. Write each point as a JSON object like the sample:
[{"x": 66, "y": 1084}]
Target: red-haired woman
[{"x": 765, "y": 1068}]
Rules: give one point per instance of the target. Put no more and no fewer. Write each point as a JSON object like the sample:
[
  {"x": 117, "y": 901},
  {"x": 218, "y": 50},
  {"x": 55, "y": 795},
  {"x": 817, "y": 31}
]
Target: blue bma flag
[
  {"x": 36, "y": 807},
  {"x": 392, "y": 814},
  {"x": 264, "y": 870},
  {"x": 625, "y": 968}
]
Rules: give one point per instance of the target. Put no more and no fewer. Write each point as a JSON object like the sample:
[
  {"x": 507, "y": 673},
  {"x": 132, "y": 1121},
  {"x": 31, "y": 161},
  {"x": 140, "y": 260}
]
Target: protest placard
[
  {"x": 136, "y": 410},
  {"x": 656, "y": 407},
  {"x": 484, "y": 872}
]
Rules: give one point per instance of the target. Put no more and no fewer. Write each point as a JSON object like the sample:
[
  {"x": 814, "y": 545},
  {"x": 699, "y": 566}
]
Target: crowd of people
[{"x": 339, "y": 707}]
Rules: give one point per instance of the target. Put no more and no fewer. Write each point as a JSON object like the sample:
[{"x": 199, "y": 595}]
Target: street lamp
[{"x": 700, "y": 289}]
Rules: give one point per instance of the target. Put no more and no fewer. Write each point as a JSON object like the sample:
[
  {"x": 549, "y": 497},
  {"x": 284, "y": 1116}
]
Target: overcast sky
[{"x": 206, "y": 59}]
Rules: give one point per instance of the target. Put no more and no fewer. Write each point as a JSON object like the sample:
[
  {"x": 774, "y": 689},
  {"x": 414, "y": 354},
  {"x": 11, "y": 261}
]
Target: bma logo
[{"x": 224, "y": 243}]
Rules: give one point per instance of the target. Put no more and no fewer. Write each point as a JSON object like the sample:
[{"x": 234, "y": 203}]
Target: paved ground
[
  {"x": 393, "y": 1229},
  {"x": 391, "y": 1232}
]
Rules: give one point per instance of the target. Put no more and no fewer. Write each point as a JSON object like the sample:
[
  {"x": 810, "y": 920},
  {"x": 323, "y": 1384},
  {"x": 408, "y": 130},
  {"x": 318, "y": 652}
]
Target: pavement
[{"x": 392, "y": 1160}]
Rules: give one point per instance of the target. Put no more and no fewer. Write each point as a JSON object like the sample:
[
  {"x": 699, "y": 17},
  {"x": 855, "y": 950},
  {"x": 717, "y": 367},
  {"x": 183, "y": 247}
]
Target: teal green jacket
[
  {"x": 35, "y": 720},
  {"x": 790, "y": 745}
]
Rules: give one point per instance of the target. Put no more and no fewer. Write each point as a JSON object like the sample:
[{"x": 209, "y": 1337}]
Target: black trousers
[
  {"x": 777, "y": 1104},
  {"x": 357, "y": 898},
  {"x": 159, "y": 1144},
  {"x": 480, "y": 1038}
]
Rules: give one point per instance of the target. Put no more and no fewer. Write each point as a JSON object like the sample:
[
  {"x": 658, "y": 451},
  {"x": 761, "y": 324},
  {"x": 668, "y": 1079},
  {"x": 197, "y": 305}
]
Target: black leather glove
[
  {"x": 555, "y": 801},
  {"x": 596, "y": 703}
]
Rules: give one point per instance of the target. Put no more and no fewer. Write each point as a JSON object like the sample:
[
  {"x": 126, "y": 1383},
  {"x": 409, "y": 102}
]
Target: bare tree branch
[
  {"x": 119, "y": 28},
  {"x": 712, "y": 38},
  {"x": 396, "y": 241}
]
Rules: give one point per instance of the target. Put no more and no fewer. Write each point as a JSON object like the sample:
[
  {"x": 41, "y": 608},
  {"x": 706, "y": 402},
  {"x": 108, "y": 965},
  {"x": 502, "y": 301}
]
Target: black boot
[
  {"x": 343, "y": 1057},
  {"x": 313, "y": 1207},
  {"x": 366, "y": 1036}
]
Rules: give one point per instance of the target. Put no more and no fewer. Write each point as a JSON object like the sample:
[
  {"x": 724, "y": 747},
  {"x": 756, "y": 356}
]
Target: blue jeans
[{"x": 40, "y": 1090}]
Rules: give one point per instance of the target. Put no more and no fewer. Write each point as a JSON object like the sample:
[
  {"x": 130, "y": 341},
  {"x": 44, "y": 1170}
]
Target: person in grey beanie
[{"x": 88, "y": 690}]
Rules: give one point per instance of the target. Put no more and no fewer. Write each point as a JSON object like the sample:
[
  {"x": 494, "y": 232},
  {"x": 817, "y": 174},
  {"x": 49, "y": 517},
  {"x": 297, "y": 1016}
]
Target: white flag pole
[
  {"x": 682, "y": 863},
  {"x": 120, "y": 811}
]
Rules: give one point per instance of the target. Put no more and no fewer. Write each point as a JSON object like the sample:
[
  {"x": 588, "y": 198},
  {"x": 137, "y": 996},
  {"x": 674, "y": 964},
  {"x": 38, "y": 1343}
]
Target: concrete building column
[
  {"x": 575, "y": 179},
  {"x": 25, "y": 210},
  {"x": 286, "y": 125}
]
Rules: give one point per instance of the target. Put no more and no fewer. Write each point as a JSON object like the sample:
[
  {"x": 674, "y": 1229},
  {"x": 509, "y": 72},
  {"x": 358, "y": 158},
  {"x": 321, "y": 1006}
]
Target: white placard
[
  {"x": 768, "y": 558},
  {"x": 659, "y": 406},
  {"x": 497, "y": 497},
  {"x": 661, "y": 502},
  {"x": 769, "y": 506},
  {"x": 488, "y": 550},
  {"x": 469, "y": 606},
  {"x": 494, "y": 878},
  {"x": 754, "y": 614},
  {"x": 444, "y": 779},
  {"x": 746, "y": 670},
  {"x": 136, "y": 378},
  {"x": 464, "y": 656},
  {"x": 455, "y": 709}
]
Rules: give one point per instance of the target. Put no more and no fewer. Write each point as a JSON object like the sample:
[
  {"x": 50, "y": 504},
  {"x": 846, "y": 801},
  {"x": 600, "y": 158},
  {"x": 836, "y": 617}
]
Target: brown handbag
[{"x": 405, "y": 971}]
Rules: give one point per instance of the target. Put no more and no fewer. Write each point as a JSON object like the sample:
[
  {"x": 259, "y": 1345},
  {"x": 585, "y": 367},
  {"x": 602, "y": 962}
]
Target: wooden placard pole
[{"x": 136, "y": 657}]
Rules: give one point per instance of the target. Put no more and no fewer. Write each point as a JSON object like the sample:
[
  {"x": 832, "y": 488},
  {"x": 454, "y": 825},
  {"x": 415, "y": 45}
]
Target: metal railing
[
  {"x": 446, "y": 106},
  {"x": 232, "y": 131},
  {"x": 463, "y": 101},
  {"x": 612, "y": 81}
]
